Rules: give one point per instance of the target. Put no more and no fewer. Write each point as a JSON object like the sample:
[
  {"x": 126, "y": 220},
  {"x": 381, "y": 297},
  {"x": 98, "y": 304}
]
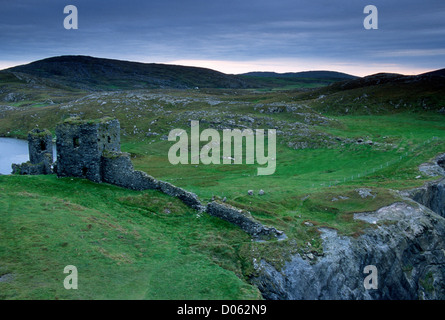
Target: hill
[
  {"x": 294, "y": 80},
  {"x": 331, "y": 75},
  {"x": 440, "y": 73},
  {"x": 89, "y": 73},
  {"x": 381, "y": 93}
]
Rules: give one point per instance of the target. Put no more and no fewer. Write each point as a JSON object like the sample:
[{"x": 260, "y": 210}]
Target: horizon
[
  {"x": 204, "y": 65},
  {"x": 232, "y": 37}
]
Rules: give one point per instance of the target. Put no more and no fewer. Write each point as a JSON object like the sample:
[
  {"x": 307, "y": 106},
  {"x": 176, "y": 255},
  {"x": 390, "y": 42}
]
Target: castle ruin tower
[
  {"x": 81, "y": 144},
  {"x": 40, "y": 146}
]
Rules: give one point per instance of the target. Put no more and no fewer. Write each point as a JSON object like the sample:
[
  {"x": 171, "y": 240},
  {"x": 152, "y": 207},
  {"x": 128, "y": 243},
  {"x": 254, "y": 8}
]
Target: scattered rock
[
  {"x": 250, "y": 192},
  {"x": 364, "y": 193}
]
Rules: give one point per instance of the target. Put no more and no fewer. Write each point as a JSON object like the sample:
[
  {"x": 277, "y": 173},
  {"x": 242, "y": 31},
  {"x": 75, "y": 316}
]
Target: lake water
[{"x": 13, "y": 151}]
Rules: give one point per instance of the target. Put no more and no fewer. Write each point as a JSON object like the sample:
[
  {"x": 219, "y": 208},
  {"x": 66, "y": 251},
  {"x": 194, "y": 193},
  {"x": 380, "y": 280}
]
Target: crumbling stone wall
[
  {"x": 91, "y": 149},
  {"x": 187, "y": 197},
  {"x": 40, "y": 146},
  {"x": 117, "y": 169},
  {"x": 243, "y": 219}
]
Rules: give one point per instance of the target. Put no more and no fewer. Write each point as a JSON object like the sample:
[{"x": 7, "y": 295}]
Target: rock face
[
  {"x": 40, "y": 148},
  {"x": 431, "y": 195},
  {"x": 406, "y": 245},
  {"x": 408, "y": 252}
]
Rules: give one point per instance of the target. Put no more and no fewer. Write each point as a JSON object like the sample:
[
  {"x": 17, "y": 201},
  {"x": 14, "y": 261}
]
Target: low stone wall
[
  {"x": 117, "y": 169},
  {"x": 187, "y": 197},
  {"x": 243, "y": 219},
  {"x": 28, "y": 168}
]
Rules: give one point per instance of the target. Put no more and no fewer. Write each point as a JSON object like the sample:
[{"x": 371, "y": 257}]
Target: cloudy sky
[{"x": 232, "y": 36}]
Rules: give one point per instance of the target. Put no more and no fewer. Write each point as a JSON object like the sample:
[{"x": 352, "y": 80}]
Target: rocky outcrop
[
  {"x": 431, "y": 195},
  {"x": 244, "y": 220},
  {"x": 407, "y": 249},
  {"x": 405, "y": 242},
  {"x": 434, "y": 168}
]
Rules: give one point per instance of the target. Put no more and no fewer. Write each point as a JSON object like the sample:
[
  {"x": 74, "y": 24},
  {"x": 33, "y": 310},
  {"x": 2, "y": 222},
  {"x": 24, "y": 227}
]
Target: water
[{"x": 13, "y": 151}]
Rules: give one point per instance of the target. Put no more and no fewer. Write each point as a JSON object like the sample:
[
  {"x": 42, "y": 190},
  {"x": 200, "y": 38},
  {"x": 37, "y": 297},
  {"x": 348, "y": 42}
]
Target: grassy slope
[{"x": 125, "y": 244}]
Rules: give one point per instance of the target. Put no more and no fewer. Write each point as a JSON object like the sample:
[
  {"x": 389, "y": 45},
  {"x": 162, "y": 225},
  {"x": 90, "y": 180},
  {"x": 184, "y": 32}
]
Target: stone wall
[
  {"x": 91, "y": 149},
  {"x": 187, "y": 197},
  {"x": 117, "y": 169},
  {"x": 243, "y": 219}
]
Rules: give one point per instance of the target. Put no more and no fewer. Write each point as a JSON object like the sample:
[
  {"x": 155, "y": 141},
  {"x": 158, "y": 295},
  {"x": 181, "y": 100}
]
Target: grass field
[
  {"x": 146, "y": 245},
  {"x": 126, "y": 245}
]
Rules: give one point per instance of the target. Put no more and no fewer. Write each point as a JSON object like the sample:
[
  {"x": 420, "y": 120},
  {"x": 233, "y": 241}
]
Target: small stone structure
[
  {"x": 40, "y": 146},
  {"x": 91, "y": 149}
]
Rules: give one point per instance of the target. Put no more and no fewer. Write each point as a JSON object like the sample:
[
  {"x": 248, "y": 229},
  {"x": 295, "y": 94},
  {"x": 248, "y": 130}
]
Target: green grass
[
  {"x": 125, "y": 245},
  {"x": 145, "y": 245}
]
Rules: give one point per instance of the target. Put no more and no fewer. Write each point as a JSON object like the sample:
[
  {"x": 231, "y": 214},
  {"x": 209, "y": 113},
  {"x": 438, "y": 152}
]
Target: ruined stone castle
[{"x": 91, "y": 149}]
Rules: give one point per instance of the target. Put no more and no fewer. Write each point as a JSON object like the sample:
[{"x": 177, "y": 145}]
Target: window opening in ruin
[
  {"x": 76, "y": 142},
  {"x": 109, "y": 139},
  {"x": 42, "y": 146},
  {"x": 84, "y": 171}
]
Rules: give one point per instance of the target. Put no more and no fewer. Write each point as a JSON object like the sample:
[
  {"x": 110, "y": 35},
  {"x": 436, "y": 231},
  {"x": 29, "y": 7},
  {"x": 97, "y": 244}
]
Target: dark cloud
[{"x": 411, "y": 33}]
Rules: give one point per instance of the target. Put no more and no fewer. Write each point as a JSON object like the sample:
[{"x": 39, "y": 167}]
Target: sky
[{"x": 232, "y": 36}]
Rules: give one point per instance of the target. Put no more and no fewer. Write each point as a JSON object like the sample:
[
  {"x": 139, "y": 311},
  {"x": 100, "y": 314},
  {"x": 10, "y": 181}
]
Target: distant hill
[
  {"x": 89, "y": 73},
  {"x": 297, "y": 80},
  {"x": 439, "y": 73},
  {"x": 330, "y": 75},
  {"x": 382, "y": 93}
]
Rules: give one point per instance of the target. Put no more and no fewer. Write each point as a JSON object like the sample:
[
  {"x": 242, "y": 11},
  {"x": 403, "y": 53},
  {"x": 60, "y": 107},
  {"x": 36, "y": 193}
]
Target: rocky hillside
[
  {"x": 382, "y": 93},
  {"x": 91, "y": 73},
  {"x": 404, "y": 242}
]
